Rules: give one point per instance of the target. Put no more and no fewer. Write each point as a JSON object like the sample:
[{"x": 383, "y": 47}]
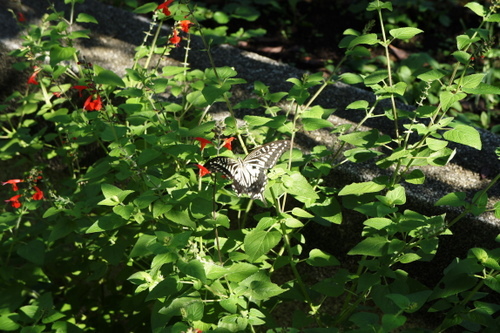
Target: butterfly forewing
[{"x": 249, "y": 175}]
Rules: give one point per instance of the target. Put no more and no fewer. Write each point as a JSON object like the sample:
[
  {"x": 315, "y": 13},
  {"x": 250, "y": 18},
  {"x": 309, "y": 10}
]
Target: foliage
[{"x": 123, "y": 233}]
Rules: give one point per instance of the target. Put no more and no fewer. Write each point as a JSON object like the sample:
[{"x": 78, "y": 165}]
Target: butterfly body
[{"x": 249, "y": 174}]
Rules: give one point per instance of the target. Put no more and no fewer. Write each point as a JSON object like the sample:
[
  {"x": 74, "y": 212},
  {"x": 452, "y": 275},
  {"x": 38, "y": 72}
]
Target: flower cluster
[
  {"x": 203, "y": 142},
  {"x": 182, "y": 25},
  {"x": 14, "y": 200},
  {"x": 93, "y": 102}
]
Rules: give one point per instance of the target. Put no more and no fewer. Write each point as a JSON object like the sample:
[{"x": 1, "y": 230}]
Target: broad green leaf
[
  {"x": 477, "y": 8},
  {"x": 297, "y": 185},
  {"x": 415, "y": 177},
  {"x": 259, "y": 242},
  {"x": 351, "y": 78},
  {"x": 328, "y": 210},
  {"x": 455, "y": 199},
  {"x": 319, "y": 258},
  {"x": 432, "y": 75},
  {"x": 471, "y": 81},
  {"x": 361, "y": 188},
  {"x": 373, "y": 246},
  {"x": 86, "y": 18},
  {"x": 193, "y": 268},
  {"x": 405, "y": 33},
  {"x": 483, "y": 89},
  {"x": 369, "y": 39},
  {"x": 312, "y": 124},
  {"x": 110, "y": 78},
  {"x": 376, "y": 77},
  {"x": 58, "y": 54},
  {"x": 378, "y": 223},
  {"x": 465, "y": 135},
  {"x": 33, "y": 251},
  {"x": 447, "y": 98}
]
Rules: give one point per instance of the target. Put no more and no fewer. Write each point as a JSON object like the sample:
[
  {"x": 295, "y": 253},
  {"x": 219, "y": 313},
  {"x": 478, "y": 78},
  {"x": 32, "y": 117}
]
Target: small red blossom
[
  {"x": 32, "y": 79},
  {"x": 14, "y": 183},
  {"x": 14, "y": 201},
  {"x": 227, "y": 143},
  {"x": 93, "y": 104},
  {"x": 20, "y": 17},
  {"x": 80, "y": 89},
  {"x": 203, "y": 171},
  {"x": 203, "y": 142},
  {"x": 38, "y": 193},
  {"x": 175, "y": 39},
  {"x": 164, "y": 7},
  {"x": 57, "y": 94},
  {"x": 185, "y": 24}
]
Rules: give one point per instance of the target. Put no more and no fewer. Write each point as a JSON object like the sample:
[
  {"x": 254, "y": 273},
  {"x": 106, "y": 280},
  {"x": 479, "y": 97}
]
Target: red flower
[
  {"x": 14, "y": 201},
  {"x": 227, "y": 143},
  {"x": 14, "y": 183},
  {"x": 185, "y": 24},
  {"x": 203, "y": 142},
  {"x": 93, "y": 104},
  {"x": 80, "y": 89},
  {"x": 20, "y": 17},
  {"x": 203, "y": 171},
  {"x": 164, "y": 7},
  {"x": 38, "y": 194},
  {"x": 175, "y": 39},
  {"x": 57, "y": 94},
  {"x": 32, "y": 79}
]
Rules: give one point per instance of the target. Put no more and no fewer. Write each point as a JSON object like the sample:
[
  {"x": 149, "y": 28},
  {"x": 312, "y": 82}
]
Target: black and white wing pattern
[{"x": 249, "y": 174}]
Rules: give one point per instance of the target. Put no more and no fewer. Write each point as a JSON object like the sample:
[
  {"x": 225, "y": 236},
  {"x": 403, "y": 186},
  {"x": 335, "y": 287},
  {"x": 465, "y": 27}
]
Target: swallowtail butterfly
[{"x": 249, "y": 174}]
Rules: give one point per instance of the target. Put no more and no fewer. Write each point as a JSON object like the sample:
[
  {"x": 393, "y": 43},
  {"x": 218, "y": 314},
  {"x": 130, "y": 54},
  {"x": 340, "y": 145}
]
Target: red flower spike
[
  {"x": 14, "y": 201},
  {"x": 93, "y": 104},
  {"x": 80, "y": 89},
  {"x": 164, "y": 7},
  {"x": 20, "y": 17},
  {"x": 32, "y": 79},
  {"x": 185, "y": 24},
  {"x": 14, "y": 183},
  {"x": 38, "y": 194},
  {"x": 203, "y": 171},
  {"x": 227, "y": 143},
  {"x": 203, "y": 142},
  {"x": 175, "y": 40}
]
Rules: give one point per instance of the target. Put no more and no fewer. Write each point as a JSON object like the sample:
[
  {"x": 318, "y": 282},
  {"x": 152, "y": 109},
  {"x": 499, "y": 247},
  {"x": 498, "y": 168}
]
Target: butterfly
[{"x": 249, "y": 174}]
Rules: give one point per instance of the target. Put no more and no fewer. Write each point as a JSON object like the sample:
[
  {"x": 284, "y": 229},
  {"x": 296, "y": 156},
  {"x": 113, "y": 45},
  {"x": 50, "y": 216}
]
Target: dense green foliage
[{"x": 129, "y": 237}]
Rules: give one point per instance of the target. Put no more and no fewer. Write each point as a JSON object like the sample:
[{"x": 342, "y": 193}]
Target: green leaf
[
  {"x": 415, "y": 177},
  {"x": 432, "y": 75},
  {"x": 86, "y": 18},
  {"x": 455, "y": 199},
  {"x": 483, "y": 89},
  {"x": 33, "y": 251},
  {"x": 193, "y": 268},
  {"x": 369, "y": 39},
  {"x": 297, "y": 185},
  {"x": 106, "y": 222},
  {"x": 312, "y": 124},
  {"x": 319, "y": 258},
  {"x": 113, "y": 195},
  {"x": 58, "y": 54},
  {"x": 405, "y": 33},
  {"x": 299, "y": 212},
  {"x": 146, "y": 8},
  {"x": 259, "y": 242},
  {"x": 110, "y": 78},
  {"x": 376, "y": 77},
  {"x": 361, "y": 188},
  {"x": 466, "y": 135},
  {"x": 447, "y": 98},
  {"x": 328, "y": 210},
  {"x": 373, "y": 246},
  {"x": 471, "y": 81},
  {"x": 477, "y": 8}
]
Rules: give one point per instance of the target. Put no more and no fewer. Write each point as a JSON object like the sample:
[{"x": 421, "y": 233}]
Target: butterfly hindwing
[{"x": 249, "y": 174}]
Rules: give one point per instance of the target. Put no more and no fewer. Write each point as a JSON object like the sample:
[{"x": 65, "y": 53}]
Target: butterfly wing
[{"x": 249, "y": 175}]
